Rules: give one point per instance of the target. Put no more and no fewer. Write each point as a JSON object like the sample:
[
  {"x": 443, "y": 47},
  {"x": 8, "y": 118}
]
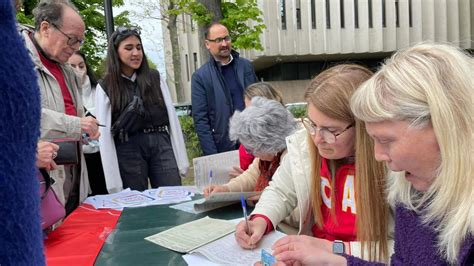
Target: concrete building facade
[{"x": 303, "y": 37}]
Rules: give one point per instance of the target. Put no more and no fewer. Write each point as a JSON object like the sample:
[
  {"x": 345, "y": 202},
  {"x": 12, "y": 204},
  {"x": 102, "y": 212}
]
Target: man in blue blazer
[{"x": 217, "y": 90}]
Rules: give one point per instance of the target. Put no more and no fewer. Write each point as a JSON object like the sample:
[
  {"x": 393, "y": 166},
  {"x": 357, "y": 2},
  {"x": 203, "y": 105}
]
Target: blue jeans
[{"x": 146, "y": 156}]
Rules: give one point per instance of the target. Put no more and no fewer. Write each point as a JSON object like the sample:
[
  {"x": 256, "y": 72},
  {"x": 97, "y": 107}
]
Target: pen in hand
[
  {"x": 244, "y": 209},
  {"x": 100, "y": 125},
  {"x": 210, "y": 179}
]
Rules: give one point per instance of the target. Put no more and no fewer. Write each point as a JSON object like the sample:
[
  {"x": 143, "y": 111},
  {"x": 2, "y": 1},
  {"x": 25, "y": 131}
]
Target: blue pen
[
  {"x": 244, "y": 209},
  {"x": 210, "y": 178}
]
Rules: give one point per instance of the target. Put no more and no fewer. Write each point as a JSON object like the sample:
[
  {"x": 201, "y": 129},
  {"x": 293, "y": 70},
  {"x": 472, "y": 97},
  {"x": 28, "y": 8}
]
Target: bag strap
[{"x": 47, "y": 182}]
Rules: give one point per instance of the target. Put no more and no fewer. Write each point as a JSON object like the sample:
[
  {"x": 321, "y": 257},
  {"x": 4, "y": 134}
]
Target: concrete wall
[{"x": 431, "y": 20}]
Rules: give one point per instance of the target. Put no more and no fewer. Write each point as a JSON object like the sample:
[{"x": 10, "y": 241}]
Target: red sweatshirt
[{"x": 343, "y": 227}]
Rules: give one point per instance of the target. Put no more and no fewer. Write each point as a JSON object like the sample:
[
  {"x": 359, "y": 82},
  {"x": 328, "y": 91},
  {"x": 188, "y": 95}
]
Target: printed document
[
  {"x": 226, "y": 251},
  {"x": 220, "y": 164},
  {"x": 189, "y": 236}
]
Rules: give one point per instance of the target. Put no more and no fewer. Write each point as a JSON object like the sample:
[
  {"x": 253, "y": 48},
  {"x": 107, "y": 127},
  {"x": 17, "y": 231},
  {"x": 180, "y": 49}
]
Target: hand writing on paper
[
  {"x": 256, "y": 228},
  {"x": 45, "y": 154},
  {"x": 305, "y": 250},
  {"x": 236, "y": 171},
  {"x": 214, "y": 188}
]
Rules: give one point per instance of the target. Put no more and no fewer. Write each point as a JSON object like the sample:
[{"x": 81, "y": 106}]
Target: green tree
[{"x": 92, "y": 13}]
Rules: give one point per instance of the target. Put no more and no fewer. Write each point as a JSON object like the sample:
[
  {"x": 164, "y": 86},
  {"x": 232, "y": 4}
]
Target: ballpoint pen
[
  {"x": 210, "y": 179},
  {"x": 244, "y": 209},
  {"x": 100, "y": 125}
]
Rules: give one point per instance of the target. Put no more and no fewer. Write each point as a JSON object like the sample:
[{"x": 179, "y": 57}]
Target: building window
[
  {"x": 192, "y": 23},
  {"x": 384, "y": 19},
  {"x": 410, "y": 19},
  {"x": 283, "y": 14},
  {"x": 187, "y": 66},
  {"x": 397, "y": 14},
  {"x": 298, "y": 14},
  {"x": 343, "y": 22},
  {"x": 313, "y": 14},
  {"x": 328, "y": 15},
  {"x": 356, "y": 14},
  {"x": 371, "y": 25},
  {"x": 195, "y": 61}
]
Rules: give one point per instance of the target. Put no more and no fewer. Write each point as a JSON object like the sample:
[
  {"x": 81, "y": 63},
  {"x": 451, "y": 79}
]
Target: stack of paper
[
  {"x": 214, "y": 201},
  {"x": 133, "y": 198}
]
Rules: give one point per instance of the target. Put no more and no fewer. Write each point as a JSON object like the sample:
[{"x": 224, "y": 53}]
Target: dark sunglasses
[{"x": 124, "y": 30}]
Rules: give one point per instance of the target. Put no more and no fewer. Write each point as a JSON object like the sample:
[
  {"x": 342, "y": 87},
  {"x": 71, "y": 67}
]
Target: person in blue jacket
[
  {"x": 20, "y": 234},
  {"x": 217, "y": 90}
]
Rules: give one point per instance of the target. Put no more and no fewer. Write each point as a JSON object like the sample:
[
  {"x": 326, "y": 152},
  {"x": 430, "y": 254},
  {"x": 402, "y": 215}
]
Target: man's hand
[
  {"x": 45, "y": 154},
  {"x": 90, "y": 126}
]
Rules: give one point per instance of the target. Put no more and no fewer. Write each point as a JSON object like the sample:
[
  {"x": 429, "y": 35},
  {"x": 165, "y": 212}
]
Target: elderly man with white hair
[{"x": 53, "y": 40}]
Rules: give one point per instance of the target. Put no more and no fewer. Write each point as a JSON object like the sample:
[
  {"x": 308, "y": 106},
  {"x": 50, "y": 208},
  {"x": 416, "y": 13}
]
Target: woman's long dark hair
[
  {"x": 148, "y": 83},
  {"x": 90, "y": 73}
]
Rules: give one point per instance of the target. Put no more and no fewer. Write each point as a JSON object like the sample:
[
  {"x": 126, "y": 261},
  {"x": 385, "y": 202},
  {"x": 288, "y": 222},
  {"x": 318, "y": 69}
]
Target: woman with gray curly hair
[{"x": 262, "y": 129}]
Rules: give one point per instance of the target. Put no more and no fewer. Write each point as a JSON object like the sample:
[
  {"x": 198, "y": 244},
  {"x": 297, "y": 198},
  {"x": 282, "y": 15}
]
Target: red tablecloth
[{"x": 79, "y": 239}]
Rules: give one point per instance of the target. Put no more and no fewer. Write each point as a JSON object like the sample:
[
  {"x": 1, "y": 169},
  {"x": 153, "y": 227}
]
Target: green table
[{"x": 127, "y": 246}]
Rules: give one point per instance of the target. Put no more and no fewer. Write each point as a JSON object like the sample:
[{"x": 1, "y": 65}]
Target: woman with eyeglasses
[
  {"x": 419, "y": 109},
  {"x": 330, "y": 173},
  {"x": 150, "y": 145}
]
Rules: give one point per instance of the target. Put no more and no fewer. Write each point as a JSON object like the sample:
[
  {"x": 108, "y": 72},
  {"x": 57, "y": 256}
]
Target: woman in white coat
[{"x": 150, "y": 149}]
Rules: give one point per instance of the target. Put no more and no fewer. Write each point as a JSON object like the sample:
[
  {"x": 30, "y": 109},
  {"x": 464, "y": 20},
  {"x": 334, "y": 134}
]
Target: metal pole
[{"x": 109, "y": 18}]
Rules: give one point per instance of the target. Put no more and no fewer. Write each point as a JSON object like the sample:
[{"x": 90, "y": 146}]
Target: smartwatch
[{"x": 338, "y": 247}]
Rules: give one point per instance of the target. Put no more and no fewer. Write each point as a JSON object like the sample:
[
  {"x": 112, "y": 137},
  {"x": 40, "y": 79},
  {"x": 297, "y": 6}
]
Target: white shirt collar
[
  {"x": 230, "y": 61},
  {"x": 132, "y": 78}
]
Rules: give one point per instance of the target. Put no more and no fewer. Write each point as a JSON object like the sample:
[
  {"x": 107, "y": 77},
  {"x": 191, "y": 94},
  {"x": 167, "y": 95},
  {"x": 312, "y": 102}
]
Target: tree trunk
[
  {"x": 173, "y": 30},
  {"x": 214, "y": 7}
]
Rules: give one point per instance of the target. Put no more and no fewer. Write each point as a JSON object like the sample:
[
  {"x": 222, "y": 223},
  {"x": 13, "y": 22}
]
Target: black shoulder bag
[{"x": 126, "y": 120}]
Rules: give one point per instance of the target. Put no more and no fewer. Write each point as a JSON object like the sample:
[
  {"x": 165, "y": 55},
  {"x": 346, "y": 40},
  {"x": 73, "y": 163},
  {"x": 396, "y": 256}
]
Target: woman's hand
[
  {"x": 214, "y": 188},
  {"x": 45, "y": 154},
  {"x": 305, "y": 250},
  {"x": 249, "y": 239}
]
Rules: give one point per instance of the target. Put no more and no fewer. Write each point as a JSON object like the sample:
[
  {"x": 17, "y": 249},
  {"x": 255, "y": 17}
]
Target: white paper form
[
  {"x": 131, "y": 198},
  {"x": 227, "y": 251},
  {"x": 220, "y": 164},
  {"x": 186, "y": 237}
]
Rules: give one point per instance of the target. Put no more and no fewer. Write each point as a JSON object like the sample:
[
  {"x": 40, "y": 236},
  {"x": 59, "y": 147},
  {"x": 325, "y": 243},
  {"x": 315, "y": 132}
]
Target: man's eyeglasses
[
  {"x": 124, "y": 30},
  {"x": 325, "y": 134},
  {"x": 220, "y": 40},
  {"x": 71, "y": 41}
]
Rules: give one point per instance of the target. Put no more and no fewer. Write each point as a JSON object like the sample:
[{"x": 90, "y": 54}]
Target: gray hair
[
  {"x": 263, "y": 126},
  {"x": 51, "y": 11}
]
